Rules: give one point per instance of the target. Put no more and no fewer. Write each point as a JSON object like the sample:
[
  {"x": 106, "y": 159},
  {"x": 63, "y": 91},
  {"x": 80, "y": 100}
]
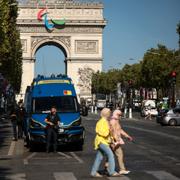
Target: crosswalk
[{"x": 155, "y": 175}]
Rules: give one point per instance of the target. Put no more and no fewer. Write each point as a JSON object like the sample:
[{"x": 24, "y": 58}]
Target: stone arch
[
  {"x": 80, "y": 39},
  {"x": 37, "y": 44}
]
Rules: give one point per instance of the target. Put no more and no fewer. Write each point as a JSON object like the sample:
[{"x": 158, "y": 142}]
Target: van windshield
[{"x": 63, "y": 104}]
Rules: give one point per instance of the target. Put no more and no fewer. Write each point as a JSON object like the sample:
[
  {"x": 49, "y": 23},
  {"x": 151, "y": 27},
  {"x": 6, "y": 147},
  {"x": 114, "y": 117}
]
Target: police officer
[{"x": 52, "y": 120}]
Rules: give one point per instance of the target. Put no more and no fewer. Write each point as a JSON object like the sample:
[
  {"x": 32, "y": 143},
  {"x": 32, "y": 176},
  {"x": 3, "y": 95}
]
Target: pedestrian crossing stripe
[
  {"x": 19, "y": 176},
  {"x": 158, "y": 175},
  {"x": 64, "y": 176},
  {"x": 163, "y": 175}
]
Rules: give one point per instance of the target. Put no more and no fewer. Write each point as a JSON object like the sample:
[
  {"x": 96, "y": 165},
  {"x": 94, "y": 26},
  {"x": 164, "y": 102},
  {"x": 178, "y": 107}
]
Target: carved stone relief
[
  {"x": 86, "y": 46},
  {"x": 24, "y": 45},
  {"x": 84, "y": 81},
  {"x": 39, "y": 29},
  {"x": 36, "y": 39}
]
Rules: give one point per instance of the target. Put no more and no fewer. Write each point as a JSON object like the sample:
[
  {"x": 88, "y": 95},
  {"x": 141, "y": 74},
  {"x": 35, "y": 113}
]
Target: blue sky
[{"x": 133, "y": 27}]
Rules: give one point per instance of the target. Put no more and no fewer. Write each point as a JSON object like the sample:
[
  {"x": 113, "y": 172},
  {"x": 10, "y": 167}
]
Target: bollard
[
  {"x": 92, "y": 109},
  {"x": 130, "y": 113},
  {"x": 95, "y": 110},
  {"x": 125, "y": 112}
]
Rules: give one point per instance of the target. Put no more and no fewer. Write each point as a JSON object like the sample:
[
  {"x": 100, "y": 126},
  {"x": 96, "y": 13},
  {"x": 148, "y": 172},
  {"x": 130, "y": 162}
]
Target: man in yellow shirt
[{"x": 102, "y": 142}]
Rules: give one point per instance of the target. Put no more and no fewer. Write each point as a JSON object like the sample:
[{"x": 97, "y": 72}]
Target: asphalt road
[{"x": 154, "y": 154}]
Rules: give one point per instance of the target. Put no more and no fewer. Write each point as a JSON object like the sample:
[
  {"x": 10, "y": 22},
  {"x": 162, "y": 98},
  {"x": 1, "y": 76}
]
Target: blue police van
[{"x": 44, "y": 93}]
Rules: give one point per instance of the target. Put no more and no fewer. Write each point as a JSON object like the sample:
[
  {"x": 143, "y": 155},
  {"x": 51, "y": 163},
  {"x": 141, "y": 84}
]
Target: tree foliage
[
  {"x": 10, "y": 46},
  {"x": 152, "y": 72}
]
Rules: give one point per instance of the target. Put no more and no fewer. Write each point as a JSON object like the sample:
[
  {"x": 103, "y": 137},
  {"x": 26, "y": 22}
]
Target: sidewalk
[{"x": 5, "y": 136}]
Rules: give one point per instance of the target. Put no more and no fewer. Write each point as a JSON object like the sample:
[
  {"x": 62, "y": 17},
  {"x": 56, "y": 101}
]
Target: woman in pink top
[{"x": 117, "y": 132}]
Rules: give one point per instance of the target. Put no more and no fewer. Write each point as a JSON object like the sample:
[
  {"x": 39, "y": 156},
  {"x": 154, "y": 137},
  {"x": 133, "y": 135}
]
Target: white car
[
  {"x": 153, "y": 111},
  {"x": 149, "y": 106}
]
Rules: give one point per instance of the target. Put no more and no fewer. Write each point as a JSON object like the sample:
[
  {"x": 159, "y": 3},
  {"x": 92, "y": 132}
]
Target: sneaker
[
  {"x": 115, "y": 175},
  {"x": 97, "y": 175},
  {"x": 124, "y": 172}
]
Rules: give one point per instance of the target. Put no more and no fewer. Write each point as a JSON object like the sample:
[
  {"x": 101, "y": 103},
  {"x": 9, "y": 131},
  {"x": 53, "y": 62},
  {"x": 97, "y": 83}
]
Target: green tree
[
  {"x": 15, "y": 56},
  {"x": 4, "y": 45},
  {"x": 178, "y": 31},
  {"x": 156, "y": 67},
  {"x": 10, "y": 47}
]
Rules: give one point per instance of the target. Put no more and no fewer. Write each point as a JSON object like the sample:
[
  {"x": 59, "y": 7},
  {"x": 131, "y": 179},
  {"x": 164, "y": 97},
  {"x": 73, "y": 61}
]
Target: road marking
[
  {"x": 141, "y": 146},
  {"x": 29, "y": 157},
  {"x": 11, "y": 149},
  {"x": 20, "y": 176},
  {"x": 65, "y": 155},
  {"x": 162, "y": 175},
  {"x": 119, "y": 178},
  {"x": 76, "y": 157},
  {"x": 19, "y": 147},
  {"x": 154, "y": 132},
  {"x": 156, "y": 152},
  {"x": 172, "y": 158},
  {"x": 64, "y": 176}
]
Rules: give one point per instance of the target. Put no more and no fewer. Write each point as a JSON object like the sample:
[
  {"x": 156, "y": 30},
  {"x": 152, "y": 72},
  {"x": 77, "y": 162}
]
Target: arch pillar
[{"x": 27, "y": 75}]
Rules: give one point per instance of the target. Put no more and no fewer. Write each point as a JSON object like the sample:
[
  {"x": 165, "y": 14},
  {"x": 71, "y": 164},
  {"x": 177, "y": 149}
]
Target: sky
[{"x": 133, "y": 27}]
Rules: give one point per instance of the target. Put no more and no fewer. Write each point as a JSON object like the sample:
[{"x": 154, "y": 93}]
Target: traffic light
[{"x": 173, "y": 76}]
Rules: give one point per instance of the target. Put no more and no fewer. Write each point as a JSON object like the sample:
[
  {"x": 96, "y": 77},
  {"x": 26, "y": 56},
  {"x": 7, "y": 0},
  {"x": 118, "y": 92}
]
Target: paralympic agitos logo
[{"x": 43, "y": 16}]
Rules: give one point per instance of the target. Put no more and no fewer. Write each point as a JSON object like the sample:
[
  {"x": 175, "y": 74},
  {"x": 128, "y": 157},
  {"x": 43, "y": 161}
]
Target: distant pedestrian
[
  {"x": 52, "y": 120},
  {"x": 117, "y": 133},
  {"x": 21, "y": 119},
  {"x": 102, "y": 145},
  {"x": 148, "y": 112},
  {"x": 13, "y": 118}
]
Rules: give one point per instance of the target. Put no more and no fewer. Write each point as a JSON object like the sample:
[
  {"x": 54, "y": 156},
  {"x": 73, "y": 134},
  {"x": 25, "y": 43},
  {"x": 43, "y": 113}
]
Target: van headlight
[{"x": 76, "y": 122}]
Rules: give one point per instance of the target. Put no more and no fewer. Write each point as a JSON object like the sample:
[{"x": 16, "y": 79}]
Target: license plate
[{"x": 61, "y": 130}]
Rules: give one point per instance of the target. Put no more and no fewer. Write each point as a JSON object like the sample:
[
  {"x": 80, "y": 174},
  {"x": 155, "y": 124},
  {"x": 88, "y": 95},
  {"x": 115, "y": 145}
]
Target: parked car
[{"x": 169, "y": 117}]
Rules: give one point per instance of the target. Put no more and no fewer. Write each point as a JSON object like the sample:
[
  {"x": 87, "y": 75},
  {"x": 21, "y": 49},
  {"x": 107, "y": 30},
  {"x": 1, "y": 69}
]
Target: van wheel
[{"x": 172, "y": 122}]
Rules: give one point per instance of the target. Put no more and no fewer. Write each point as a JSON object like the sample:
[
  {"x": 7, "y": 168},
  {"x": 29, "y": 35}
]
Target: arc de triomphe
[{"x": 75, "y": 27}]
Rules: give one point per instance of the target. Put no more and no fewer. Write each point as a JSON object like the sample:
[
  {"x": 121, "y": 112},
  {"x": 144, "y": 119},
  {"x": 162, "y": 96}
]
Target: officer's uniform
[{"x": 52, "y": 131}]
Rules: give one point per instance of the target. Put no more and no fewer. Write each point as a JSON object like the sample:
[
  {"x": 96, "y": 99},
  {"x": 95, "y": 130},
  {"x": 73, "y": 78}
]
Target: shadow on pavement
[{"x": 5, "y": 174}]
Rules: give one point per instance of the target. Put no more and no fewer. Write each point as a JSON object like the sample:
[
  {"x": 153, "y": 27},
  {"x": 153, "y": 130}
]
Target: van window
[{"x": 63, "y": 104}]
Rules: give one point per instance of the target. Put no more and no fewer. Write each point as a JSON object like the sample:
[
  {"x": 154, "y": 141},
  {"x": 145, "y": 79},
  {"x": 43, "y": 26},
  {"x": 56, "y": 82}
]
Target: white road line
[
  {"x": 172, "y": 158},
  {"x": 119, "y": 178},
  {"x": 76, "y": 157},
  {"x": 11, "y": 149},
  {"x": 141, "y": 146},
  {"x": 64, "y": 176},
  {"x": 162, "y": 175},
  {"x": 29, "y": 157},
  {"x": 154, "y": 132},
  {"x": 19, "y": 176},
  {"x": 65, "y": 155}
]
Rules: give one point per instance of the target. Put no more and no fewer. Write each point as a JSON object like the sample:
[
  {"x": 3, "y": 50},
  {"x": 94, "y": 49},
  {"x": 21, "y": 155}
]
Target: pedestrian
[
  {"x": 20, "y": 119},
  {"x": 102, "y": 145},
  {"x": 52, "y": 120},
  {"x": 148, "y": 112},
  {"x": 13, "y": 118},
  {"x": 117, "y": 132}
]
